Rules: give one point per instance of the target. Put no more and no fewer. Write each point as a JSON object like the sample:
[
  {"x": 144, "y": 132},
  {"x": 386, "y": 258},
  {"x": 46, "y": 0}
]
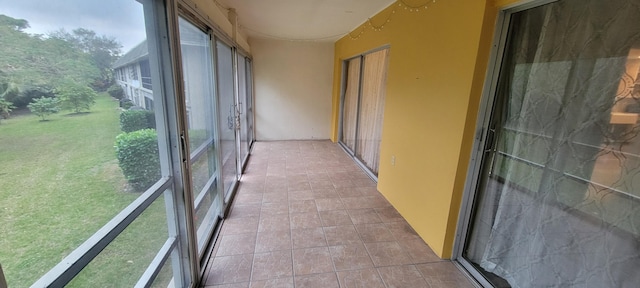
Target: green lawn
[{"x": 60, "y": 184}]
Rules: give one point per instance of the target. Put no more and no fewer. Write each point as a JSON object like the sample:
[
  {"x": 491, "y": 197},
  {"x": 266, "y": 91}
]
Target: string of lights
[
  {"x": 368, "y": 25},
  {"x": 400, "y": 4}
]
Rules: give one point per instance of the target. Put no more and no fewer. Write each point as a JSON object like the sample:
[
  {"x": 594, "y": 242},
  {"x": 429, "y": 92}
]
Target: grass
[{"x": 60, "y": 184}]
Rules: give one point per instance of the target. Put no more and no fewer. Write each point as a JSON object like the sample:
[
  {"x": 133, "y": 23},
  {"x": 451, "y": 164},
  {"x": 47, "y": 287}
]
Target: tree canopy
[{"x": 37, "y": 63}]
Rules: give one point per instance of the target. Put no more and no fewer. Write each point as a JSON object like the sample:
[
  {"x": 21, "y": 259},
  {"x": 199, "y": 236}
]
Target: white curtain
[
  {"x": 374, "y": 85},
  {"x": 350, "y": 104},
  {"x": 560, "y": 205}
]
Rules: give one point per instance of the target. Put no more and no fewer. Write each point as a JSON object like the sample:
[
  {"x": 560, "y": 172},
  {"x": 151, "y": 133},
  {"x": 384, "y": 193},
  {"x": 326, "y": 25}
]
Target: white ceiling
[{"x": 312, "y": 20}]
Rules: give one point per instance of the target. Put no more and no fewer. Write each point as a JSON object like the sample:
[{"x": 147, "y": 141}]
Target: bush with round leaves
[
  {"x": 133, "y": 120},
  {"x": 137, "y": 154}
]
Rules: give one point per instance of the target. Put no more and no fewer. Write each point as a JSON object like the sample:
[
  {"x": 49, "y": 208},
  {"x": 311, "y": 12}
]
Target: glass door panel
[
  {"x": 227, "y": 116},
  {"x": 558, "y": 199},
  {"x": 197, "y": 66},
  {"x": 250, "y": 130},
  {"x": 242, "y": 108},
  {"x": 350, "y": 104}
]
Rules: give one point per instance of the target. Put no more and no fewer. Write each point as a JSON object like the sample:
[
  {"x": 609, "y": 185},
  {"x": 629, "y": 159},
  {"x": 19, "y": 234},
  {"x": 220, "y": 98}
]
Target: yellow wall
[{"x": 437, "y": 65}]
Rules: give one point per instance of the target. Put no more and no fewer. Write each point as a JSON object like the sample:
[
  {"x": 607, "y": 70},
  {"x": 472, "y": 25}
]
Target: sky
[{"x": 120, "y": 19}]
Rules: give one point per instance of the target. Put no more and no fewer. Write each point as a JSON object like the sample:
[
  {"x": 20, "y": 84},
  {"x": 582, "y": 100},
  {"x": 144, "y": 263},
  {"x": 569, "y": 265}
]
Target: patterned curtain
[{"x": 560, "y": 203}]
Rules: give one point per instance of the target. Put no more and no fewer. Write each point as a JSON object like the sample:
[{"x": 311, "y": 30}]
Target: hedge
[
  {"x": 133, "y": 120},
  {"x": 137, "y": 154}
]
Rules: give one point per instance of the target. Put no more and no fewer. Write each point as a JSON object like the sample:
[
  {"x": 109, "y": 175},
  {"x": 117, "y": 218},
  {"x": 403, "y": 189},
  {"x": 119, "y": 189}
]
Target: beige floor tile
[
  {"x": 389, "y": 214},
  {"x": 236, "y": 244},
  {"x": 326, "y": 204},
  {"x": 243, "y": 211},
  {"x": 374, "y": 232},
  {"x": 348, "y": 192},
  {"x": 325, "y": 193},
  {"x": 274, "y": 209},
  {"x": 302, "y": 206},
  {"x": 401, "y": 230},
  {"x": 299, "y": 186},
  {"x": 402, "y": 276},
  {"x": 286, "y": 282},
  {"x": 248, "y": 198},
  {"x": 234, "y": 285},
  {"x": 364, "y": 216},
  {"x": 273, "y": 241},
  {"x": 342, "y": 235},
  {"x": 364, "y": 278},
  {"x": 312, "y": 261},
  {"x": 305, "y": 220},
  {"x": 272, "y": 265},
  {"x": 387, "y": 254},
  {"x": 365, "y": 202},
  {"x": 320, "y": 183},
  {"x": 300, "y": 195},
  {"x": 230, "y": 269},
  {"x": 325, "y": 280},
  {"x": 419, "y": 251},
  {"x": 443, "y": 274},
  {"x": 275, "y": 197},
  {"x": 334, "y": 218},
  {"x": 240, "y": 225},
  {"x": 350, "y": 257},
  {"x": 306, "y": 238},
  {"x": 272, "y": 223}
]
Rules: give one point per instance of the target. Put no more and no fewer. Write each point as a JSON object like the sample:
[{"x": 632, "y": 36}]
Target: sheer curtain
[
  {"x": 350, "y": 104},
  {"x": 560, "y": 205},
  {"x": 374, "y": 86}
]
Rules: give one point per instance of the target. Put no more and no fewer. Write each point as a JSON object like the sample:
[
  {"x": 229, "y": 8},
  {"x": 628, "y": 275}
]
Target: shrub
[
  {"x": 76, "y": 97},
  {"x": 137, "y": 154},
  {"x": 133, "y": 120},
  {"x": 116, "y": 91},
  {"x": 126, "y": 103},
  {"x": 43, "y": 107}
]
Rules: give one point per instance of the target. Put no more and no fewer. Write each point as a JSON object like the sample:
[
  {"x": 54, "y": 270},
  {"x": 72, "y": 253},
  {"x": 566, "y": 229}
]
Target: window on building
[{"x": 145, "y": 74}]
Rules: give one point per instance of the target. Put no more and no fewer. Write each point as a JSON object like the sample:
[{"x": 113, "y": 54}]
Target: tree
[
  {"x": 17, "y": 24},
  {"x": 37, "y": 64},
  {"x": 103, "y": 50},
  {"x": 75, "y": 96},
  {"x": 43, "y": 107}
]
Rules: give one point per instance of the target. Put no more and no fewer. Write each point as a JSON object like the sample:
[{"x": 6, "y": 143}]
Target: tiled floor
[{"x": 306, "y": 216}]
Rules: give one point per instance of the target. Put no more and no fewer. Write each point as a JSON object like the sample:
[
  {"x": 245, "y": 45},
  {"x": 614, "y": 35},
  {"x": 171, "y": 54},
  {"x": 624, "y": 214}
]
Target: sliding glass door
[
  {"x": 363, "y": 99},
  {"x": 249, "y": 101},
  {"x": 242, "y": 108},
  {"x": 350, "y": 103},
  {"x": 197, "y": 71},
  {"x": 229, "y": 122},
  {"x": 555, "y": 194}
]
